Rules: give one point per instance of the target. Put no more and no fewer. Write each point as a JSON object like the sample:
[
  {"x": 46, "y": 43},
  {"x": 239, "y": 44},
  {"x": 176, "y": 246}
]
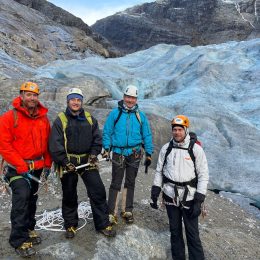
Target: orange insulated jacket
[{"x": 24, "y": 138}]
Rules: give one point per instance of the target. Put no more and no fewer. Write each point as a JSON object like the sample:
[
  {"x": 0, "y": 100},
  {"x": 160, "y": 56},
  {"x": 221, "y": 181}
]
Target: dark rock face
[
  {"x": 56, "y": 14},
  {"x": 180, "y": 22},
  {"x": 36, "y": 32},
  {"x": 63, "y": 17}
]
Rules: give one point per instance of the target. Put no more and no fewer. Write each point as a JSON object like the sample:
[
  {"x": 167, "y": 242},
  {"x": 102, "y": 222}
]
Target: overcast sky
[{"x": 91, "y": 10}]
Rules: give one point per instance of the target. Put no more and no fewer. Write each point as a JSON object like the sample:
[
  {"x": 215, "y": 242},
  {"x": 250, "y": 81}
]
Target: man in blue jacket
[{"x": 125, "y": 132}]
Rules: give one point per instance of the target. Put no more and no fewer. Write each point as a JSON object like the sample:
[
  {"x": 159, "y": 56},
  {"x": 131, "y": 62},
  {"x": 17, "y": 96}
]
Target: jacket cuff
[{"x": 199, "y": 197}]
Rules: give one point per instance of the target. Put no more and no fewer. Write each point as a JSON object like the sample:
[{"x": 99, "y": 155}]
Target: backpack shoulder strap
[
  {"x": 88, "y": 117},
  {"x": 137, "y": 114},
  {"x": 118, "y": 116},
  {"x": 192, "y": 156},
  {"x": 15, "y": 117},
  {"x": 64, "y": 120},
  {"x": 168, "y": 151}
]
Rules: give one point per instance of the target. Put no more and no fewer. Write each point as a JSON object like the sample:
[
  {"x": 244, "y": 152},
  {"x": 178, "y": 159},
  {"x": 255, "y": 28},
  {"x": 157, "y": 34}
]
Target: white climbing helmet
[
  {"x": 75, "y": 93},
  {"x": 131, "y": 90}
]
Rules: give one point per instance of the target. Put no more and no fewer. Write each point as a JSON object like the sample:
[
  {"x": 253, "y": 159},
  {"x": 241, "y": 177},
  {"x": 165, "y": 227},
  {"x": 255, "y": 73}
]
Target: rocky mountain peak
[
  {"x": 37, "y": 32},
  {"x": 181, "y": 22}
]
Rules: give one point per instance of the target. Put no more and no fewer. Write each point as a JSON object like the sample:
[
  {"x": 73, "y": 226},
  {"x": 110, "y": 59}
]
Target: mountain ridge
[{"x": 185, "y": 22}]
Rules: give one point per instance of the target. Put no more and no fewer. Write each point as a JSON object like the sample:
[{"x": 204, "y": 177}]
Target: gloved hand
[
  {"x": 92, "y": 160},
  {"x": 70, "y": 167},
  {"x": 46, "y": 172},
  {"x": 155, "y": 192},
  {"x": 106, "y": 154},
  {"x": 148, "y": 160},
  {"x": 195, "y": 209}
]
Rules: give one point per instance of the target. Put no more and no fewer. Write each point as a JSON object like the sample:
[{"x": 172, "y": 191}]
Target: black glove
[
  {"x": 155, "y": 192},
  {"x": 106, "y": 154},
  {"x": 92, "y": 160},
  {"x": 195, "y": 209},
  {"x": 70, "y": 167},
  {"x": 147, "y": 162}
]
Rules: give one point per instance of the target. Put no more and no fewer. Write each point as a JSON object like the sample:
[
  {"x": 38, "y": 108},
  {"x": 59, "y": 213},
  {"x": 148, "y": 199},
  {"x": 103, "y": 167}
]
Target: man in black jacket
[{"x": 76, "y": 140}]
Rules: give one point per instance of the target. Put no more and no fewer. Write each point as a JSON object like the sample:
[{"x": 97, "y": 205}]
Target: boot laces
[
  {"x": 26, "y": 245},
  {"x": 32, "y": 234},
  {"x": 72, "y": 229},
  {"x": 108, "y": 228}
]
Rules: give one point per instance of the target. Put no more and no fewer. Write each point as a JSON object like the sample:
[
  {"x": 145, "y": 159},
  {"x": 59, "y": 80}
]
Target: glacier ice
[{"x": 217, "y": 86}]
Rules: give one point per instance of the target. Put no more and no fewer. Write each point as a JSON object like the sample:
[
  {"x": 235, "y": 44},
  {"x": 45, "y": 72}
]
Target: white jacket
[{"x": 180, "y": 168}]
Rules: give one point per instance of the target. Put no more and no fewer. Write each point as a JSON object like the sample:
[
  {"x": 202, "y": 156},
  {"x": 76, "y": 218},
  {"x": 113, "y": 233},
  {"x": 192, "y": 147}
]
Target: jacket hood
[
  {"x": 123, "y": 107},
  {"x": 17, "y": 104}
]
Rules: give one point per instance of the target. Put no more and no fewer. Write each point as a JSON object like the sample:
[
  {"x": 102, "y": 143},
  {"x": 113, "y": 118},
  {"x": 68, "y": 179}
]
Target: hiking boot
[
  {"x": 113, "y": 219},
  {"x": 25, "y": 250},
  {"x": 70, "y": 232},
  {"x": 128, "y": 217},
  {"x": 34, "y": 238},
  {"x": 108, "y": 232}
]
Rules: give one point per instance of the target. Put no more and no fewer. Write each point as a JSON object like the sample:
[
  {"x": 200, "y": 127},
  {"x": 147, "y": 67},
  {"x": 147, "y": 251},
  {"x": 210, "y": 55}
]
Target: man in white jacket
[{"x": 182, "y": 174}]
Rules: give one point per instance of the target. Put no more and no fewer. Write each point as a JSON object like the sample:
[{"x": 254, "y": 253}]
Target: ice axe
[{"x": 86, "y": 165}]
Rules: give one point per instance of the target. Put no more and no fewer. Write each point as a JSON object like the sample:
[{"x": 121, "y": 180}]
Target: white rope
[{"x": 53, "y": 221}]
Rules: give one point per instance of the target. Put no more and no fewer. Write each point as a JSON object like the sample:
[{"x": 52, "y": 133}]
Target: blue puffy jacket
[{"x": 128, "y": 133}]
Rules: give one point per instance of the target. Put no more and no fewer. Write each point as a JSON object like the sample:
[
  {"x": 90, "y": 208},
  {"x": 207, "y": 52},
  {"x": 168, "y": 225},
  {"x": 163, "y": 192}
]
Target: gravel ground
[{"x": 228, "y": 232}]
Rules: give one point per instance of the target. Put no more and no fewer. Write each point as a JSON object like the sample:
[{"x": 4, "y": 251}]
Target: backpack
[{"x": 193, "y": 140}]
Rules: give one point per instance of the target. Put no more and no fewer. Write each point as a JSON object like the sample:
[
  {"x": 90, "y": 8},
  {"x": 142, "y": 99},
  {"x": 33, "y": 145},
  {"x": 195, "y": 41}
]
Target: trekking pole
[{"x": 86, "y": 164}]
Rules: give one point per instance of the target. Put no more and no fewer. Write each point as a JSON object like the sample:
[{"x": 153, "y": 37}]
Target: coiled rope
[{"x": 53, "y": 221}]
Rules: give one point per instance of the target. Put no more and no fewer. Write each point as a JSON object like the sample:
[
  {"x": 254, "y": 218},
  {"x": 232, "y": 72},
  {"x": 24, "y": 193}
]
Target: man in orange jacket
[{"x": 24, "y": 146}]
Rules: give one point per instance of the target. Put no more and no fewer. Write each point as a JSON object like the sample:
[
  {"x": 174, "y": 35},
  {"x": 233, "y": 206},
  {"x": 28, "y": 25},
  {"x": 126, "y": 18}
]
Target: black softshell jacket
[{"x": 82, "y": 137}]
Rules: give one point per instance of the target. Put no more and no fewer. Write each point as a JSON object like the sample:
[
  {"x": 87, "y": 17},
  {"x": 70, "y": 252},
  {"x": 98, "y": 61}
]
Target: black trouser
[
  {"x": 130, "y": 168},
  {"x": 23, "y": 207},
  {"x": 175, "y": 215},
  {"x": 96, "y": 193}
]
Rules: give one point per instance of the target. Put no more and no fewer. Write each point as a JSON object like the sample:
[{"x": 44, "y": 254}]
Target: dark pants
[
  {"x": 130, "y": 168},
  {"x": 23, "y": 207},
  {"x": 96, "y": 193},
  {"x": 175, "y": 215}
]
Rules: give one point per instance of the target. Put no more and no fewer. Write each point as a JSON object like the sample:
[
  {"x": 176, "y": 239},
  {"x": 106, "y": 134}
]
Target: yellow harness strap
[{"x": 64, "y": 121}]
